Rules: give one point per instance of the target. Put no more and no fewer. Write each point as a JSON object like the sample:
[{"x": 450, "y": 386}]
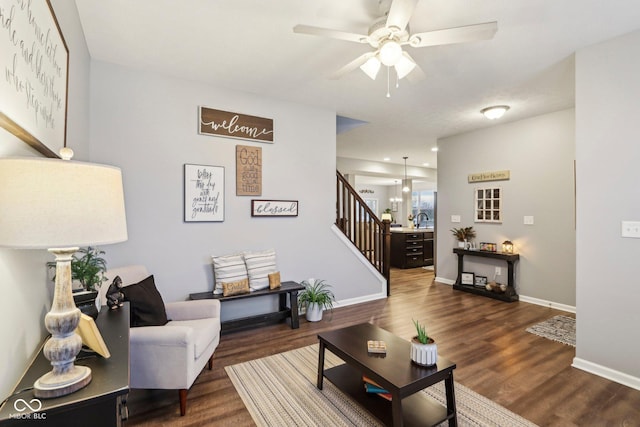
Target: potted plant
[
  {"x": 315, "y": 298},
  {"x": 463, "y": 234},
  {"x": 424, "y": 350},
  {"x": 87, "y": 267}
]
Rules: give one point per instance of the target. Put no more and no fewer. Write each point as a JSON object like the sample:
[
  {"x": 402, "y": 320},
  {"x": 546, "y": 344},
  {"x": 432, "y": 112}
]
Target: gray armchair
[{"x": 170, "y": 356}]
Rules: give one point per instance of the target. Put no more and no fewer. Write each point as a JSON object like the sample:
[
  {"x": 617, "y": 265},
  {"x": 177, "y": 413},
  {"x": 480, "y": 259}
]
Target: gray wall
[
  {"x": 146, "y": 124},
  {"x": 539, "y": 152},
  {"x": 608, "y": 176},
  {"x": 23, "y": 277}
]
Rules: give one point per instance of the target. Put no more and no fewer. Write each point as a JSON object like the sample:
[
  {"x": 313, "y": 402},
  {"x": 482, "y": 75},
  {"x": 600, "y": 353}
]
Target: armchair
[{"x": 170, "y": 356}]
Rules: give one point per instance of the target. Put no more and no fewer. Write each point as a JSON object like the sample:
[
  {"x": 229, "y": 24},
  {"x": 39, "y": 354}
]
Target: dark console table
[
  {"x": 101, "y": 403},
  {"x": 290, "y": 288},
  {"x": 509, "y": 295}
]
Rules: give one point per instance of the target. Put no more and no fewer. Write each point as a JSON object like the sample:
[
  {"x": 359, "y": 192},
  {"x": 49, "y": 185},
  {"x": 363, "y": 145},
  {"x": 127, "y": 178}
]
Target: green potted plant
[
  {"x": 88, "y": 268},
  {"x": 315, "y": 298},
  {"x": 424, "y": 350},
  {"x": 463, "y": 234}
]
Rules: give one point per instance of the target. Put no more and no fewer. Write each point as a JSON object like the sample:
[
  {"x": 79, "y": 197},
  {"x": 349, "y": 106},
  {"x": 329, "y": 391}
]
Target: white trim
[
  {"x": 549, "y": 304},
  {"x": 608, "y": 373},
  {"x": 363, "y": 260},
  {"x": 358, "y": 300},
  {"x": 445, "y": 281}
]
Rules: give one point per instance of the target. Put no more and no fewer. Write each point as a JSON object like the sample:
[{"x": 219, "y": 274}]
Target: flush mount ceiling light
[{"x": 494, "y": 112}]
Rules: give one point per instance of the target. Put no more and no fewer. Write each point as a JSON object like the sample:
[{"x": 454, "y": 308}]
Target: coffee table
[{"x": 394, "y": 371}]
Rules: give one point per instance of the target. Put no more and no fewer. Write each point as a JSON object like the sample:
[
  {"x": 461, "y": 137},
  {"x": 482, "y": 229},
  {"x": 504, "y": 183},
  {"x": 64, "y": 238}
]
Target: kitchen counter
[{"x": 410, "y": 230}]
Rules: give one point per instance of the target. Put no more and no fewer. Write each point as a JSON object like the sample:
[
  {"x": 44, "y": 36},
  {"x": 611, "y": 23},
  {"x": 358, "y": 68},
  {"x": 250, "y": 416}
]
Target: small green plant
[
  {"x": 316, "y": 292},
  {"x": 88, "y": 268},
  {"x": 464, "y": 233},
  {"x": 422, "y": 336}
]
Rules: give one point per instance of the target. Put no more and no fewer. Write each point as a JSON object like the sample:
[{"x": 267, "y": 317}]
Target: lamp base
[{"x": 55, "y": 385}]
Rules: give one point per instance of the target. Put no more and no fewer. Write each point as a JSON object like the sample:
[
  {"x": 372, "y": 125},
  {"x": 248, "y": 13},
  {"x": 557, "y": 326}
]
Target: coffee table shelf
[{"x": 417, "y": 409}]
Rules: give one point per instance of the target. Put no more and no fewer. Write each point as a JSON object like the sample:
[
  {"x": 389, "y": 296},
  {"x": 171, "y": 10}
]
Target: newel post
[{"x": 386, "y": 253}]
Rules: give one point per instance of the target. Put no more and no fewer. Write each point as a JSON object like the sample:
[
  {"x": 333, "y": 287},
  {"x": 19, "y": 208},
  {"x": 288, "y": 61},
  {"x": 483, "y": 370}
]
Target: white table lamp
[{"x": 60, "y": 205}]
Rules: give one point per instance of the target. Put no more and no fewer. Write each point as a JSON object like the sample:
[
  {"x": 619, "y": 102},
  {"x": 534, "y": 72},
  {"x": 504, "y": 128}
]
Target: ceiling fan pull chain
[{"x": 388, "y": 93}]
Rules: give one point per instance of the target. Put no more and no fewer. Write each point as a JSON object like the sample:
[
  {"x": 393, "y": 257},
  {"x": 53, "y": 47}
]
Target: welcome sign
[{"x": 235, "y": 125}]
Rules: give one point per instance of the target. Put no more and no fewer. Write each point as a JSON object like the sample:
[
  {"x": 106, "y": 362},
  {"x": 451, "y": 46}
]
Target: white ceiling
[{"x": 249, "y": 45}]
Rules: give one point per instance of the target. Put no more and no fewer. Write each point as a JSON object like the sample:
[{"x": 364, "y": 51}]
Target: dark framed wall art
[{"x": 274, "y": 208}]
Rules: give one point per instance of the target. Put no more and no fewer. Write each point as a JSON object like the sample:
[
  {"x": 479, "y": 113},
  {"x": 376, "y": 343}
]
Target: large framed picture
[
  {"x": 203, "y": 193},
  {"x": 34, "y": 64}
]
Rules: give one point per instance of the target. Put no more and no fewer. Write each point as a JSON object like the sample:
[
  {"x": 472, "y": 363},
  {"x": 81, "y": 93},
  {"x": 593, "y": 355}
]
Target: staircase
[{"x": 371, "y": 236}]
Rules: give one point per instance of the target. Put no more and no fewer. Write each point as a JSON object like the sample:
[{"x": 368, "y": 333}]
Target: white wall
[
  {"x": 607, "y": 153},
  {"x": 146, "y": 124},
  {"x": 539, "y": 152},
  {"x": 23, "y": 276}
]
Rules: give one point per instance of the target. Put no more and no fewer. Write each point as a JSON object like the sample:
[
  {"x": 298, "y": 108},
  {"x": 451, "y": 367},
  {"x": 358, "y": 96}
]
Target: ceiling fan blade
[
  {"x": 464, "y": 34},
  {"x": 352, "y": 65},
  {"x": 334, "y": 34},
  {"x": 400, "y": 13}
]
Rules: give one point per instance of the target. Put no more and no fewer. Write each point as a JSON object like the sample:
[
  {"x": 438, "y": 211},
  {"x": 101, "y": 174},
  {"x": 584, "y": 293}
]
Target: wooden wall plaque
[
  {"x": 248, "y": 170},
  {"x": 235, "y": 125}
]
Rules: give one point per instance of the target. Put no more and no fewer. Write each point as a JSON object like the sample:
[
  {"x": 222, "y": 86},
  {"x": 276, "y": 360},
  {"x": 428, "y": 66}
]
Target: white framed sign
[
  {"x": 34, "y": 67},
  {"x": 203, "y": 193},
  {"x": 274, "y": 208}
]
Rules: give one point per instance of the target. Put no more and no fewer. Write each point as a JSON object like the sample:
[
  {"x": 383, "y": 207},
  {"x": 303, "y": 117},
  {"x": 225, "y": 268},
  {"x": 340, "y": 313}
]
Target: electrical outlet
[
  {"x": 528, "y": 220},
  {"x": 498, "y": 271},
  {"x": 455, "y": 218}
]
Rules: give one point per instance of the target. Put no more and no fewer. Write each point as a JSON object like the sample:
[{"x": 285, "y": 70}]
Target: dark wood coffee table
[{"x": 394, "y": 371}]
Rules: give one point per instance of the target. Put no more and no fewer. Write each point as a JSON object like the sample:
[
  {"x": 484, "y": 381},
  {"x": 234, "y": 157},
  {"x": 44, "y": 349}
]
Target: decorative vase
[
  {"x": 86, "y": 302},
  {"x": 314, "y": 312},
  {"x": 461, "y": 244},
  {"x": 424, "y": 354}
]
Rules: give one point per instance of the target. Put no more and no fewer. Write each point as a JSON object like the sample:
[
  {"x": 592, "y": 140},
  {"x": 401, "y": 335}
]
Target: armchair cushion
[{"x": 147, "y": 307}]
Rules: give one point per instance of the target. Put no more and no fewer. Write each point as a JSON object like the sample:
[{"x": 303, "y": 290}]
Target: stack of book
[{"x": 371, "y": 386}]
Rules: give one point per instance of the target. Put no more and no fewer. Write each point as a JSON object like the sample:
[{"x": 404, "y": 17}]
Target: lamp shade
[
  {"x": 46, "y": 203},
  {"x": 386, "y": 217}
]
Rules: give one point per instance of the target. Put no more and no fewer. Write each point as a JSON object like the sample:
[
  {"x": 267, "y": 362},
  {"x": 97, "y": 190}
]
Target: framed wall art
[
  {"x": 248, "y": 170},
  {"x": 467, "y": 278},
  {"x": 34, "y": 64},
  {"x": 203, "y": 193},
  {"x": 274, "y": 208}
]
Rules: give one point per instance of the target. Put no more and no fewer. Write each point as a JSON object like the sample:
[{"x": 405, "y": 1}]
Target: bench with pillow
[{"x": 249, "y": 275}]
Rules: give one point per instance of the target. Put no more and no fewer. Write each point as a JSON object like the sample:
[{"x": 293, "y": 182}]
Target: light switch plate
[
  {"x": 455, "y": 218},
  {"x": 528, "y": 220},
  {"x": 631, "y": 229}
]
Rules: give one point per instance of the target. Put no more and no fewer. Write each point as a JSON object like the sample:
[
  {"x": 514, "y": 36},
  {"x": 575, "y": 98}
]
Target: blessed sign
[
  {"x": 234, "y": 125},
  {"x": 274, "y": 208}
]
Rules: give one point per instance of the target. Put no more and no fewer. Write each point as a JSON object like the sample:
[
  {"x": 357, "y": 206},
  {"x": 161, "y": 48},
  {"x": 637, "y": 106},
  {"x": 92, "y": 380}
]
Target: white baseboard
[
  {"x": 608, "y": 373},
  {"x": 358, "y": 300},
  {"x": 444, "y": 281},
  {"x": 549, "y": 304}
]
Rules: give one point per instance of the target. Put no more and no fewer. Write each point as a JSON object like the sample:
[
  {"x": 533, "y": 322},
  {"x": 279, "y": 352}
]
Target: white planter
[
  {"x": 314, "y": 312},
  {"x": 461, "y": 245},
  {"x": 424, "y": 354}
]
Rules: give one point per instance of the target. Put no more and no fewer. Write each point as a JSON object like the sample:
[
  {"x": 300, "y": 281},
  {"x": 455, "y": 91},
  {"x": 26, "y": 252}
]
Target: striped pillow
[
  {"x": 229, "y": 268},
  {"x": 259, "y": 265}
]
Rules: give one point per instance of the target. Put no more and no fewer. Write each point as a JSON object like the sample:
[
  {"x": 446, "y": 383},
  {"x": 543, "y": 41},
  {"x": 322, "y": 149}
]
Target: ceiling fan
[{"x": 389, "y": 33}]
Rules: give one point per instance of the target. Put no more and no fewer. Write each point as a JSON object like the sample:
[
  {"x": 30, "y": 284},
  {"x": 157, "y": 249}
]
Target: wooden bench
[{"x": 290, "y": 288}]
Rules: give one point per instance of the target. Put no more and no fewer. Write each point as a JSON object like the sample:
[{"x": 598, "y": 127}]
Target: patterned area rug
[
  {"x": 558, "y": 328},
  {"x": 280, "y": 390}
]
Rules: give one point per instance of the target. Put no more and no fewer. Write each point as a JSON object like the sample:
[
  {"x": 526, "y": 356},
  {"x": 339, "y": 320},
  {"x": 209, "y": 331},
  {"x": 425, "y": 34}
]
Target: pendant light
[{"x": 405, "y": 189}]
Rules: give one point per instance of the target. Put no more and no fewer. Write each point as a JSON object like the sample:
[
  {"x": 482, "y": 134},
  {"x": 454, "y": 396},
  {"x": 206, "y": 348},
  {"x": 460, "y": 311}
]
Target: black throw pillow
[{"x": 147, "y": 307}]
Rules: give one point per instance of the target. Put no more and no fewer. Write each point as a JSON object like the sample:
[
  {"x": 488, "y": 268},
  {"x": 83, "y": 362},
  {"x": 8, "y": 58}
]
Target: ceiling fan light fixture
[
  {"x": 404, "y": 66},
  {"x": 494, "y": 112},
  {"x": 390, "y": 53},
  {"x": 371, "y": 67}
]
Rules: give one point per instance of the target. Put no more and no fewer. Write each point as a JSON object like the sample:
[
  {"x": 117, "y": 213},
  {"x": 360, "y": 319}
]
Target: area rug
[
  {"x": 558, "y": 328},
  {"x": 280, "y": 390}
]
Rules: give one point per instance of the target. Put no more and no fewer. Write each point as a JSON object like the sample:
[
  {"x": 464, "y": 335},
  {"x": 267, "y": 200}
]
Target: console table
[
  {"x": 509, "y": 295},
  {"x": 101, "y": 403},
  {"x": 286, "y": 288}
]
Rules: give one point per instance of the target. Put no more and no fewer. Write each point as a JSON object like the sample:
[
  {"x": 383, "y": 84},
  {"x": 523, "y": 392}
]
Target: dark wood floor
[{"x": 495, "y": 357}]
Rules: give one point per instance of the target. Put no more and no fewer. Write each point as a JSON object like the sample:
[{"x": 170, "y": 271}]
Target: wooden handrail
[{"x": 362, "y": 227}]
